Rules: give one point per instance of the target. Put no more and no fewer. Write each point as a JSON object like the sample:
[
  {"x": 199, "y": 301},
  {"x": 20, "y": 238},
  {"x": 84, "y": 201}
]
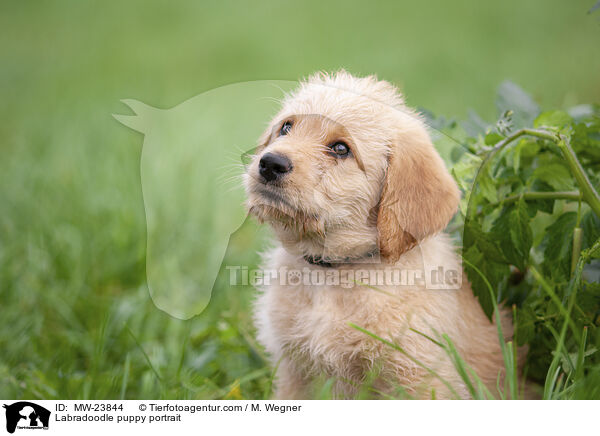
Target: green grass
[{"x": 76, "y": 319}]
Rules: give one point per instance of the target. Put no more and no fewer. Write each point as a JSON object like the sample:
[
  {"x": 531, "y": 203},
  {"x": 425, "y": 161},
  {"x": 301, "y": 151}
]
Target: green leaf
[
  {"x": 558, "y": 242},
  {"x": 546, "y": 206},
  {"x": 515, "y": 236},
  {"x": 553, "y": 119},
  {"x": 456, "y": 153},
  {"x": 516, "y": 154},
  {"x": 590, "y": 224},
  {"x": 486, "y": 243},
  {"x": 493, "y": 138},
  {"x": 487, "y": 186},
  {"x": 495, "y": 273},
  {"x": 589, "y": 299},
  {"x": 556, "y": 175}
]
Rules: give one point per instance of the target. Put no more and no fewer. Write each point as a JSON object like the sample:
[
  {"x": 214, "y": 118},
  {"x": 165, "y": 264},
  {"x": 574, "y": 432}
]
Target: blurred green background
[{"x": 76, "y": 317}]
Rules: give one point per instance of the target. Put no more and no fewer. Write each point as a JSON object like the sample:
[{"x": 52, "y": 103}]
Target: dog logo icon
[{"x": 26, "y": 415}]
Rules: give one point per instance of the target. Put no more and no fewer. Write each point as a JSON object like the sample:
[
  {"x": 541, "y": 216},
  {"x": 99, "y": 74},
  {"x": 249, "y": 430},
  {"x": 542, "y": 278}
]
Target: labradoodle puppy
[{"x": 357, "y": 196}]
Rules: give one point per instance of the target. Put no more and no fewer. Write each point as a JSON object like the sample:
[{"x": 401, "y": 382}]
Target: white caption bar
[{"x": 293, "y": 417}]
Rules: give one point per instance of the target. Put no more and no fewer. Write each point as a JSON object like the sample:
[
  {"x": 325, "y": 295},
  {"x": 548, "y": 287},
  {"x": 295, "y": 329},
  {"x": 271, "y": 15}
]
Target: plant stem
[
  {"x": 588, "y": 192},
  {"x": 590, "y": 195},
  {"x": 522, "y": 132},
  {"x": 534, "y": 195},
  {"x": 577, "y": 233}
]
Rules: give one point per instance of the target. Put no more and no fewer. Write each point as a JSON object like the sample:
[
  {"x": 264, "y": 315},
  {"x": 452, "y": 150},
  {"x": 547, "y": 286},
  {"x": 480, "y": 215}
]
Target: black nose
[{"x": 274, "y": 166}]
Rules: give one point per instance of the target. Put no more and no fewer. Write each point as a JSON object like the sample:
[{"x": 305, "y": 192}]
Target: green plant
[{"x": 530, "y": 225}]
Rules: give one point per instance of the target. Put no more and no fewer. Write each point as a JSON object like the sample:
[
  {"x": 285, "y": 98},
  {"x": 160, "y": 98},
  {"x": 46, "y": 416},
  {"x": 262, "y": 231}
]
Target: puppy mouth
[
  {"x": 274, "y": 198},
  {"x": 269, "y": 204},
  {"x": 271, "y": 197}
]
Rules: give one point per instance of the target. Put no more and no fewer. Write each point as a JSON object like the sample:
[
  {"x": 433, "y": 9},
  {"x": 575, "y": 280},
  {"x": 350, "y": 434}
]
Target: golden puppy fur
[{"x": 391, "y": 195}]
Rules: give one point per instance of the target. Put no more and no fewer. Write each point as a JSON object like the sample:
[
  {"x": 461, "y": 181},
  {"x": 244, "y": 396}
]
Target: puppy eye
[
  {"x": 285, "y": 129},
  {"x": 340, "y": 148}
]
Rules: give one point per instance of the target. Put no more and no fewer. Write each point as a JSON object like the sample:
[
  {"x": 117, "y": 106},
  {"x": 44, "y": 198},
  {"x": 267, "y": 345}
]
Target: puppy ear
[{"x": 419, "y": 196}]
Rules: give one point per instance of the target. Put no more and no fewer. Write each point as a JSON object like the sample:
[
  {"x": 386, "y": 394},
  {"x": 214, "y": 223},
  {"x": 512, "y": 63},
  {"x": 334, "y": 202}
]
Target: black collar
[
  {"x": 317, "y": 260},
  {"x": 330, "y": 263}
]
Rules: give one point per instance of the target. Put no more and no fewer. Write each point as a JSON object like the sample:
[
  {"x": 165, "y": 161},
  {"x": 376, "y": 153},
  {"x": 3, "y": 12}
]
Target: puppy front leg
[{"x": 289, "y": 383}]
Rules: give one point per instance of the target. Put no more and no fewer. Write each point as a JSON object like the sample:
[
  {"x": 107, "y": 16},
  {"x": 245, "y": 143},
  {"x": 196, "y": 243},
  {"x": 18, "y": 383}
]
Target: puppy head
[{"x": 345, "y": 167}]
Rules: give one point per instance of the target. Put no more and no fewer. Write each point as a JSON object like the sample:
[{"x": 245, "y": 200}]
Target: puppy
[{"x": 347, "y": 177}]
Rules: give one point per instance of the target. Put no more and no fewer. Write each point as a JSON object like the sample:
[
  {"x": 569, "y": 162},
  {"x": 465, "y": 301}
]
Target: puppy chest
[{"x": 314, "y": 325}]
